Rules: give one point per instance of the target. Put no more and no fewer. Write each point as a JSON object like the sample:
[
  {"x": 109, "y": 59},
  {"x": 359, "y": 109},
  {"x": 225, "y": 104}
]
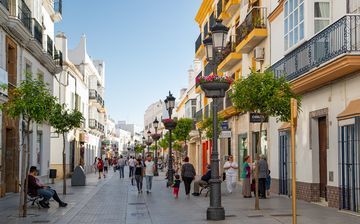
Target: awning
[
  {"x": 285, "y": 126},
  {"x": 352, "y": 110}
]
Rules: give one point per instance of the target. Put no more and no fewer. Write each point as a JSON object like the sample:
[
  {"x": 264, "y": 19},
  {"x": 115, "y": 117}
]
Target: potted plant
[
  {"x": 214, "y": 86},
  {"x": 169, "y": 123}
]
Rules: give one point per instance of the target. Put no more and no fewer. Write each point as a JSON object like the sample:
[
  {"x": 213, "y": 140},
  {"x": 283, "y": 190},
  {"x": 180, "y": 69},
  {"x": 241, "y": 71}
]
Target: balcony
[
  {"x": 38, "y": 32},
  {"x": 229, "y": 9},
  {"x": 49, "y": 46},
  {"x": 252, "y": 30},
  {"x": 94, "y": 95},
  {"x": 58, "y": 58},
  {"x": 4, "y": 11},
  {"x": 208, "y": 70},
  {"x": 199, "y": 48},
  {"x": 199, "y": 115},
  {"x": 329, "y": 55},
  {"x": 230, "y": 57},
  {"x": 25, "y": 15},
  {"x": 198, "y": 89},
  {"x": 93, "y": 124}
]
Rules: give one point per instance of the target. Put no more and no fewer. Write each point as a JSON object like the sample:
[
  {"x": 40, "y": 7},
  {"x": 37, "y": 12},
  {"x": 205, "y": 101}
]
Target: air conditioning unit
[{"x": 259, "y": 53}]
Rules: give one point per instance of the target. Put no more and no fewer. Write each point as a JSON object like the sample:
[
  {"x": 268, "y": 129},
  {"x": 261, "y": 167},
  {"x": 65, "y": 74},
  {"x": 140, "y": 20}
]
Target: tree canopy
[{"x": 183, "y": 128}]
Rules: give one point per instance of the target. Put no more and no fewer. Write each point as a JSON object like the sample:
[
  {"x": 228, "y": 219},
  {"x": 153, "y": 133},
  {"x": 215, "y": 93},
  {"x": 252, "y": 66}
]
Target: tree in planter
[
  {"x": 207, "y": 126},
  {"x": 266, "y": 95},
  {"x": 64, "y": 120},
  {"x": 32, "y": 100},
  {"x": 183, "y": 128}
]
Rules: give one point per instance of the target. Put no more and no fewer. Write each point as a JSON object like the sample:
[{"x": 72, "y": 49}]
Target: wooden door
[
  {"x": 204, "y": 157},
  {"x": 10, "y": 158},
  {"x": 323, "y": 155}
]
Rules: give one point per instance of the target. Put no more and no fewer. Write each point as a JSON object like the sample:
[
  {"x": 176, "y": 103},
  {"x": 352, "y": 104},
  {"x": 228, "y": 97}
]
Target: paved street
[{"x": 112, "y": 200}]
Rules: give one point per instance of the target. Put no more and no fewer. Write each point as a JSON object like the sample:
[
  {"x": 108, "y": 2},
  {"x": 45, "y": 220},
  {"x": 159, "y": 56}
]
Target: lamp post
[
  {"x": 170, "y": 105},
  {"x": 156, "y": 137},
  {"x": 214, "y": 45},
  {"x": 143, "y": 147},
  {"x": 148, "y": 142}
]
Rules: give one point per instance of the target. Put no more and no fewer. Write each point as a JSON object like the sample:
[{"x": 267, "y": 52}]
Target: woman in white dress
[{"x": 231, "y": 169}]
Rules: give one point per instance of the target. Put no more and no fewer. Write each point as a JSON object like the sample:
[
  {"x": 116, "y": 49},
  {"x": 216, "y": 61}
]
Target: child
[{"x": 176, "y": 186}]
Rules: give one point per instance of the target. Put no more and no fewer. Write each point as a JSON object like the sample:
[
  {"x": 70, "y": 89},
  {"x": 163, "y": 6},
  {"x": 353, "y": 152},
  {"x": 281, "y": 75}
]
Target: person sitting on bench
[
  {"x": 204, "y": 181},
  {"x": 35, "y": 187}
]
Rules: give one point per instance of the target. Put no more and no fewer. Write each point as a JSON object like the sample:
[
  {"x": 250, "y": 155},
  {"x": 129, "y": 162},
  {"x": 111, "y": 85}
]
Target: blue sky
[{"x": 147, "y": 45}]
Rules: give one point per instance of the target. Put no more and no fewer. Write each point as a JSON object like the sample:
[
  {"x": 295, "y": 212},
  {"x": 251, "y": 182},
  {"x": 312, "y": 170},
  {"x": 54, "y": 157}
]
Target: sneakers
[
  {"x": 62, "y": 204},
  {"x": 196, "y": 194}
]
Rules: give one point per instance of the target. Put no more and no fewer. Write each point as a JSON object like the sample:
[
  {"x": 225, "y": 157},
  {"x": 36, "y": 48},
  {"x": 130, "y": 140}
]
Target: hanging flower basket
[
  {"x": 214, "y": 86},
  {"x": 155, "y": 137},
  {"x": 169, "y": 124},
  {"x": 215, "y": 89}
]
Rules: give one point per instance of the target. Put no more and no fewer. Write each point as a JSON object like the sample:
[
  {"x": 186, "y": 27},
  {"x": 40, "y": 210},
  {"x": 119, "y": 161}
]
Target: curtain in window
[{"x": 322, "y": 15}]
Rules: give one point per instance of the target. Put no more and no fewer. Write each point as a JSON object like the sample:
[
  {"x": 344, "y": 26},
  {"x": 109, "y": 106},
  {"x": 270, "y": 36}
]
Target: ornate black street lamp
[
  {"x": 156, "y": 137},
  {"x": 214, "y": 45},
  {"x": 143, "y": 147},
  {"x": 148, "y": 142},
  {"x": 170, "y": 125}
]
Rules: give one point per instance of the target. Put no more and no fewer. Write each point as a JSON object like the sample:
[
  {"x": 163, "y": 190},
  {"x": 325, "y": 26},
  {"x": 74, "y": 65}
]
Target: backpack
[{"x": 100, "y": 165}]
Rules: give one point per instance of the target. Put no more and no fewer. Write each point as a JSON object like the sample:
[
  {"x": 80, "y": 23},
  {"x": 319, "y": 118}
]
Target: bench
[
  {"x": 205, "y": 188},
  {"x": 34, "y": 200}
]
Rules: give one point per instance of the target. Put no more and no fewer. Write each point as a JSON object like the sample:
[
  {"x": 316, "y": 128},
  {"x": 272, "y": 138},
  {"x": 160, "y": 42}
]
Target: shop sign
[
  {"x": 225, "y": 134},
  {"x": 256, "y": 118}
]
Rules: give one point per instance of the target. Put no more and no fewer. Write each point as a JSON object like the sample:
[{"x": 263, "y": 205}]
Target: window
[
  {"x": 40, "y": 76},
  {"x": 321, "y": 15},
  {"x": 293, "y": 22},
  {"x": 353, "y": 6}
]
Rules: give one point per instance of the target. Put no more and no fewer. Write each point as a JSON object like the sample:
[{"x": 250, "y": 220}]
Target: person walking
[
  {"x": 139, "y": 174},
  {"x": 149, "y": 173},
  {"x": 114, "y": 163},
  {"x": 176, "y": 186},
  {"x": 95, "y": 163},
  {"x": 106, "y": 164},
  {"x": 231, "y": 173},
  {"x": 121, "y": 164},
  {"x": 100, "y": 167},
  {"x": 263, "y": 173},
  {"x": 188, "y": 175},
  {"x": 245, "y": 176}
]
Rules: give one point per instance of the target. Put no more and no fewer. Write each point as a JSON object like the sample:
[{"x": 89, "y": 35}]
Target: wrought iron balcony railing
[
  {"x": 50, "y": 46},
  {"x": 5, "y": 3},
  {"x": 58, "y": 58},
  {"x": 230, "y": 47},
  {"x": 339, "y": 38},
  {"x": 93, "y": 94},
  {"x": 198, "y": 43},
  {"x": 25, "y": 15},
  {"x": 93, "y": 124},
  {"x": 38, "y": 31},
  {"x": 58, "y": 6},
  {"x": 256, "y": 18}
]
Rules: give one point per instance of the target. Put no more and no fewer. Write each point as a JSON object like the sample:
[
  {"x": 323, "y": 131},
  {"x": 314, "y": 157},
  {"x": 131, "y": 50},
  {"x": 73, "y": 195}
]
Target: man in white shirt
[{"x": 149, "y": 173}]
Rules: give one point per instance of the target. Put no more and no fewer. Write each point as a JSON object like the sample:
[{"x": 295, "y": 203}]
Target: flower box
[
  {"x": 215, "y": 89},
  {"x": 169, "y": 124}
]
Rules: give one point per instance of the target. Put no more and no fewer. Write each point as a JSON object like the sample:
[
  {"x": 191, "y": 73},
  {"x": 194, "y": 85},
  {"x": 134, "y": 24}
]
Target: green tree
[
  {"x": 263, "y": 93},
  {"x": 164, "y": 141},
  {"x": 31, "y": 100},
  {"x": 207, "y": 126},
  {"x": 64, "y": 120},
  {"x": 183, "y": 128}
]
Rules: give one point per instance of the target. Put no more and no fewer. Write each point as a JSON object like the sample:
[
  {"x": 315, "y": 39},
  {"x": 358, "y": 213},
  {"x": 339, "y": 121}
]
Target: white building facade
[{"x": 26, "y": 45}]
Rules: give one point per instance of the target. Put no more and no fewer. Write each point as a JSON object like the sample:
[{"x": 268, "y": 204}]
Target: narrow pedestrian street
[{"x": 115, "y": 200}]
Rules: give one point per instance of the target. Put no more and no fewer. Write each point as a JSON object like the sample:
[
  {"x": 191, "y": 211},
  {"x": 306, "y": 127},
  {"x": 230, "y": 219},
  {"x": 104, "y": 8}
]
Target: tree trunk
[
  {"x": 27, "y": 162},
  {"x": 258, "y": 146},
  {"x": 23, "y": 176},
  {"x": 64, "y": 165}
]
